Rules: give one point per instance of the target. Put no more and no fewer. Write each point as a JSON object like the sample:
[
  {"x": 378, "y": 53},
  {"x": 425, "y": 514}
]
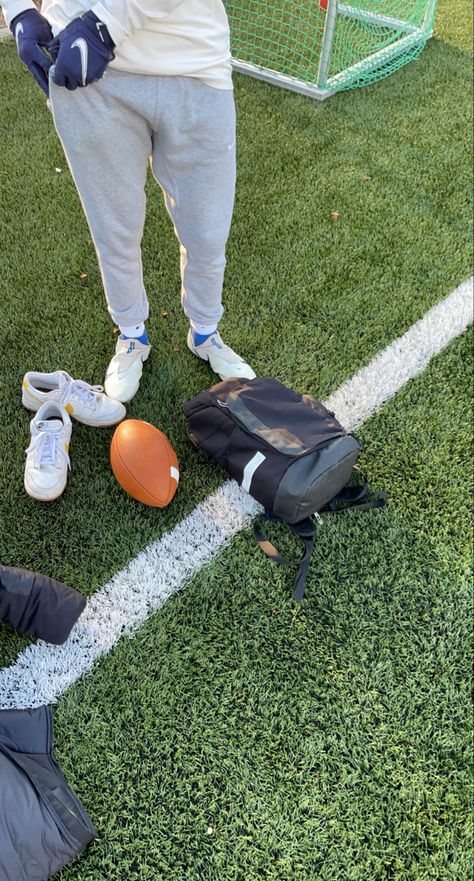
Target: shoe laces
[
  {"x": 81, "y": 391},
  {"x": 48, "y": 448}
]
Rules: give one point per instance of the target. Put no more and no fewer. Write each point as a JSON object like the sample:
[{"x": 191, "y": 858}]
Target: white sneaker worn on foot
[
  {"x": 223, "y": 360},
  {"x": 125, "y": 369},
  {"x": 87, "y": 403},
  {"x": 47, "y": 457}
]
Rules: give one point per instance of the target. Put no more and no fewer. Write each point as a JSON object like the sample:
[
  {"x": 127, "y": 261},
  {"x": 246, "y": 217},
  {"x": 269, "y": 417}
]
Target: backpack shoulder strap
[
  {"x": 359, "y": 497},
  {"x": 351, "y": 497},
  {"x": 305, "y": 531}
]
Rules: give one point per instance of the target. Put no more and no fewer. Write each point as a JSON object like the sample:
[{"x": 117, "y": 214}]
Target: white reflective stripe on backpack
[{"x": 251, "y": 468}]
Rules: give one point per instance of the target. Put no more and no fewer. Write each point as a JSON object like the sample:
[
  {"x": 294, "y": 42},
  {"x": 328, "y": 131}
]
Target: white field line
[{"x": 43, "y": 671}]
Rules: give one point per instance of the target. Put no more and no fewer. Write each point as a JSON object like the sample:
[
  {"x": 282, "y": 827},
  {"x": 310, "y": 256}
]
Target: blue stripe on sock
[
  {"x": 200, "y": 338},
  {"x": 141, "y": 339}
]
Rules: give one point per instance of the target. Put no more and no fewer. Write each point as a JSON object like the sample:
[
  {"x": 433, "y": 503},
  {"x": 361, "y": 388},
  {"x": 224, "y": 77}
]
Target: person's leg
[
  {"x": 106, "y": 133},
  {"x": 107, "y": 145},
  {"x": 193, "y": 160}
]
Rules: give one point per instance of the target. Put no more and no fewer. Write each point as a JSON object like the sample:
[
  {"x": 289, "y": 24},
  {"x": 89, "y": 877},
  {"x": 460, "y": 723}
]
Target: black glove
[
  {"x": 32, "y": 31},
  {"x": 81, "y": 52}
]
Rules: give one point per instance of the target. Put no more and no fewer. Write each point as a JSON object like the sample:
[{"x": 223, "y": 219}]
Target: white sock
[
  {"x": 203, "y": 329},
  {"x": 133, "y": 330}
]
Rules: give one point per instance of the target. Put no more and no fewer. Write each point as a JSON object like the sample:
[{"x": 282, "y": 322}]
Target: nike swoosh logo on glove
[
  {"x": 81, "y": 44},
  {"x": 99, "y": 25}
]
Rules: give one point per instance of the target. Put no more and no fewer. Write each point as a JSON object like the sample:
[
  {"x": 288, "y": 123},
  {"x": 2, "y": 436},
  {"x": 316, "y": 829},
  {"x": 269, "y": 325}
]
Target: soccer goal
[{"x": 319, "y": 47}]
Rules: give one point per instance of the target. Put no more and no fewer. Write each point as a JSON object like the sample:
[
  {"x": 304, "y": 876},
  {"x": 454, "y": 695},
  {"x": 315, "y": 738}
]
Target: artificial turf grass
[
  {"x": 327, "y": 741},
  {"x": 344, "y": 331},
  {"x": 328, "y": 281},
  {"x": 345, "y": 288}
]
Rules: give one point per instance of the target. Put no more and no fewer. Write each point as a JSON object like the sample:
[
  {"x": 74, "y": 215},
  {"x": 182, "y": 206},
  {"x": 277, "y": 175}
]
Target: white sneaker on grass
[
  {"x": 87, "y": 403},
  {"x": 47, "y": 457},
  {"x": 125, "y": 369},
  {"x": 222, "y": 359}
]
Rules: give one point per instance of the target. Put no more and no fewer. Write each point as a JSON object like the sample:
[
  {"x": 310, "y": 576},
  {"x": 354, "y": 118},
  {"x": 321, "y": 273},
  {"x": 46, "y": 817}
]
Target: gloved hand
[
  {"x": 81, "y": 52},
  {"x": 32, "y": 31}
]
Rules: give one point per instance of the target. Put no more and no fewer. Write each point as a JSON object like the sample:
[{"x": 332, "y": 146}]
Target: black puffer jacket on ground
[
  {"x": 42, "y": 823},
  {"x": 38, "y": 605}
]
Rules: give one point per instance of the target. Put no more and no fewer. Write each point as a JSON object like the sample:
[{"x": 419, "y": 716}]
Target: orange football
[{"x": 144, "y": 462}]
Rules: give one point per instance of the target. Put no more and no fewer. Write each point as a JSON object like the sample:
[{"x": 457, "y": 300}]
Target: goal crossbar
[{"x": 375, "y": 18}]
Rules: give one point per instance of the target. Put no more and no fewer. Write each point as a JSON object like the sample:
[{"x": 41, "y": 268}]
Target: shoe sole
[
  {"x": 38, "y": 498},
  {"x": 31, "y": 408},
  {"x": 99, "y": 424},
  {"x": 81, "y": 421}
]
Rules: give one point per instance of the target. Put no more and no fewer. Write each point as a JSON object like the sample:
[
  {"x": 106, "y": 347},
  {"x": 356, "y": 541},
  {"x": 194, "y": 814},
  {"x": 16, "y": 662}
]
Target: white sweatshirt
[{"x": 164, "y": 37}]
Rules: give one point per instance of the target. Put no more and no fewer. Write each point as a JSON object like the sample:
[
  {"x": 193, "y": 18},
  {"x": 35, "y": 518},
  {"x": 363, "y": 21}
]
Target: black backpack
[{"x": 286, "y": 449}]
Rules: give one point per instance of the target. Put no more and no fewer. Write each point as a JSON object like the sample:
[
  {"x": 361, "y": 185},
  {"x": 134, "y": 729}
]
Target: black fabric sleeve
[{"x": 37, "y": 605}]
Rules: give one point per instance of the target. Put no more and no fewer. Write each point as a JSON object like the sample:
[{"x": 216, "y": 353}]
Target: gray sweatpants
[{"x": 109, "y": 131}]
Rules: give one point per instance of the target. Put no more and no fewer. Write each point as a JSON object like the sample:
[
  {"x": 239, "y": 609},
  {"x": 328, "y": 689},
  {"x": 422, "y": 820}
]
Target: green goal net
[{"x": 320, "y": 47}]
